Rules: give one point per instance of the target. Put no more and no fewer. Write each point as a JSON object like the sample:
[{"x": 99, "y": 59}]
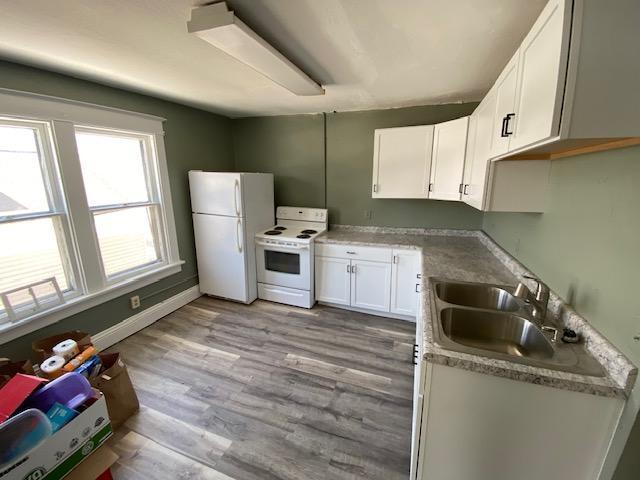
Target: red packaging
[{"x": 15, "y": 392}]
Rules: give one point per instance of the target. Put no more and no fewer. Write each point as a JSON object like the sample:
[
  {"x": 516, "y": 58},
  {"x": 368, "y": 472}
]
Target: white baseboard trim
[
  {"x": 406, "y": 318},
  {"x": 131, "y": 325}
]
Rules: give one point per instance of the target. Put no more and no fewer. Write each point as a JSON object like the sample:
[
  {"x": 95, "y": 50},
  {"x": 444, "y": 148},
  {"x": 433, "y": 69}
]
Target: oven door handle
[{"x": 290, "y": 247}]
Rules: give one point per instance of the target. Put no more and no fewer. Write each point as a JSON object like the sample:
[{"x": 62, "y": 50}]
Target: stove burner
[
  {"x": 309, "y": 231},
  {"x": 272, "y": 232},
  {"x": 303, "y": 235},
  {"x": 279, "y": 228}
]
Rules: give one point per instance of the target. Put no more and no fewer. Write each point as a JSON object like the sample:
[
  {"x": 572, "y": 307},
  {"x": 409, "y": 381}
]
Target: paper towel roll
[
  {"x": 67, "y": 349},
  {"x": 52, "y": 366}
]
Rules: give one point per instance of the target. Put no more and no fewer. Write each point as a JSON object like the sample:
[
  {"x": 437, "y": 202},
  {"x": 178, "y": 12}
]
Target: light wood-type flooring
[{"x": 266, "y": 391}]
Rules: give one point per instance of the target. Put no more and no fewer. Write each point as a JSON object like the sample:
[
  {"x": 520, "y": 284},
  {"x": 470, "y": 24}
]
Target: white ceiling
[{"x": 366, "y": 53}]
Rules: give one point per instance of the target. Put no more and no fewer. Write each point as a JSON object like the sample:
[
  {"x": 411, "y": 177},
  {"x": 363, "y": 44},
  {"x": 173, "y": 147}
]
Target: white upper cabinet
[
  {"x": 447, "y": 166},
  {"x": 505, "y": 92},
  {"x": 402, "y": 162},
  {"x": 478, "y": 152},
  {"x": 541, "y": 77},
  {"x": 562, "y": 93}
]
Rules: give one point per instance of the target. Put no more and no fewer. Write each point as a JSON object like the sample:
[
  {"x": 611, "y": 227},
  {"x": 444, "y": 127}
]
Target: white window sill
[{"x": 11, "y": 331}]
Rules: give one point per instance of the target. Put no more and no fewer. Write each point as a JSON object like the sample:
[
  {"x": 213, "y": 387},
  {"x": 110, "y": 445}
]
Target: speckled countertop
[{"x": 473, "y": 256}]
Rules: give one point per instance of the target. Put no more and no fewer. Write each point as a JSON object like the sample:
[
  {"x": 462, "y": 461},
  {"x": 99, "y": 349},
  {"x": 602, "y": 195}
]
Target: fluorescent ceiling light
[{"x": 220, "y": 27}]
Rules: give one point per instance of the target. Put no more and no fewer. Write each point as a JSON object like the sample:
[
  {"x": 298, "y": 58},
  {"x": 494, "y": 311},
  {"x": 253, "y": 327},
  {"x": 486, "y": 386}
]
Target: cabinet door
[
  {"x": 503, "y": 118},
  {"x": 541, "y": 76},
  {"x": 405, "y": 282},
  {"x": 402, "y": 162},
  {"x": 468, "y": 156},
  {"x": 475, "y": 186},
  {"x": 333, "y": 280},
  {"x": 419, "y": 371},
  {"x": 449, "y": 146},
  {"x": 370, "y": 285}
]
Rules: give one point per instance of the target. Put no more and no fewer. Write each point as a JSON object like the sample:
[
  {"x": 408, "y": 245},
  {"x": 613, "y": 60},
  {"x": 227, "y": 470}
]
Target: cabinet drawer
[{"x": 374, "y": 254}]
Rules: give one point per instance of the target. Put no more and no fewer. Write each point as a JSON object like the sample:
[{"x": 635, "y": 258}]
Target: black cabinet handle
[{"x": 506, "y": 125}]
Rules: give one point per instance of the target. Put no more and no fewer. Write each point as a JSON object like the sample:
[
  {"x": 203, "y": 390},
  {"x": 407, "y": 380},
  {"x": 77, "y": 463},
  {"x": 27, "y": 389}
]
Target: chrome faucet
[{"x": 538, "y": 302}]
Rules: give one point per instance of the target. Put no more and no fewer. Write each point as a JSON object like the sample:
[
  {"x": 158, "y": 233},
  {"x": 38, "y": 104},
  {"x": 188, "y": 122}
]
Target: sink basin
[
  {"x": 477, "y": 296},
  {"x": 503, "y": 333},
  {"x": 487, "y": 320}
]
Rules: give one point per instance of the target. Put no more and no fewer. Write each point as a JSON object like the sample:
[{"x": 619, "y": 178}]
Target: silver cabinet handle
[
  {"x": 351, "y": 253},
  {"x": 395, "y": 259},
  {"x": 375, "y": 188},
  {"x": 239, "y": 244},
  {"x": 417, "y": 287},
  {"x": 348, "y": 268},
  {"x": 236, "y": 191},
  {"x": 464, "y": 190},
  {"x": 353, "y": 269},
  {"x": 460, "y": 187}
]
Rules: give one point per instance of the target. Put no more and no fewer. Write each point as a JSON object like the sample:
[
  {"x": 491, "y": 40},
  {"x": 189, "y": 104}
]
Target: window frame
[
  {"x": 60, "y": 118},
  {"x": 56, "y": 201},
  {"x": 150, "y": 165}
]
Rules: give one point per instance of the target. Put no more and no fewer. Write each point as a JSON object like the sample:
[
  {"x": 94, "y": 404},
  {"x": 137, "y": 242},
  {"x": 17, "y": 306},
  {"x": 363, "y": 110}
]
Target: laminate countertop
[{"x": 472, "y": 256}]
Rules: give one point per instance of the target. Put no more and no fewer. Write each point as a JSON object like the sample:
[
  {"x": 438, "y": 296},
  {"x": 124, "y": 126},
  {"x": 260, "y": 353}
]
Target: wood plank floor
[{"x": 268, "y": 392}]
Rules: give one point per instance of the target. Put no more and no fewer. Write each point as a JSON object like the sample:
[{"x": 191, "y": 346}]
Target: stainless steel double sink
[{"x": 488, "y": 320}]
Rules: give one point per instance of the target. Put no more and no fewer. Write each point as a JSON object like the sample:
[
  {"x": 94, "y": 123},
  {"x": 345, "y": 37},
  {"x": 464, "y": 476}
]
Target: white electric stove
[{"x": 285, "y": 256}]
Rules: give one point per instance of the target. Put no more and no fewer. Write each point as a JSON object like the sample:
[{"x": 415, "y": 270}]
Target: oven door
[{"x": 284, "y": 266}]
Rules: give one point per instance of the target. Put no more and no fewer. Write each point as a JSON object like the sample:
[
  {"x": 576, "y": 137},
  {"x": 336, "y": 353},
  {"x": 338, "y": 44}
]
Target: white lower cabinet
[
  {"x": 370, "y": 285},
  {"x": 372, "y": 279},
  {"x": 405, "y": 282},
  {"x": 333, "y": 280},
  {"x": 484, "y": 427}
]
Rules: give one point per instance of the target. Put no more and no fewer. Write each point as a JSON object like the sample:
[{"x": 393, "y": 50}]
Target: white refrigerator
[{"x": 228, "y": 210}]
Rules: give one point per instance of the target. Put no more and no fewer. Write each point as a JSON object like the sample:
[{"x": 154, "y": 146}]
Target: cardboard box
[
  {"x": 94, "y": 466},
  {"x": 65, "y": 449},
  {"x": 44, "y": 346},
  {"x": 8, "y": 369}
]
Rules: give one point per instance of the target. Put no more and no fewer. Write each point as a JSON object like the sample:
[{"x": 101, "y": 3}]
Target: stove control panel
[
  {"x": 302, "y": 213},
  {"x": 280, "y": 243}
]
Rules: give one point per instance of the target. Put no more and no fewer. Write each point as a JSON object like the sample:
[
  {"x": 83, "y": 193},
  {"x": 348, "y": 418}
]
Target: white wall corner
[{"x": 131, "y": 325}]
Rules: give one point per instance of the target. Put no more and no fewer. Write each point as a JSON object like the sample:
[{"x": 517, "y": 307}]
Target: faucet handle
[{"x": 542, "y": 290}]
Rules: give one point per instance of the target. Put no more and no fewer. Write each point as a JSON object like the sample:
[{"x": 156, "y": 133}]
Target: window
[
  {"x": 85, "y": 211},
  {"x": 34, "y": 228},
  {"x": 122, "y": 197}
]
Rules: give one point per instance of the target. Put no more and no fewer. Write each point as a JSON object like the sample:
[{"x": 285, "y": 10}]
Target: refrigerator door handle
[
  {"x": 236, "y": 191},
  {"x": 238, "y": 242}
]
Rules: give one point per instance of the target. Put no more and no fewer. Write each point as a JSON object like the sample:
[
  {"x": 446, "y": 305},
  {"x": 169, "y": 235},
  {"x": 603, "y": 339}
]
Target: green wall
[
  {"x": 194, "y": 140},
  {"x": 585, "y": 246},
  {"x": 293, "y": 148}
]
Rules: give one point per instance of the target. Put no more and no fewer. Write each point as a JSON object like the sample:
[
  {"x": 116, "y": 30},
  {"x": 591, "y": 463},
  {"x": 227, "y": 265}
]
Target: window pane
[
  {"x": 22, "y": 189},
  {"x": 29, "y": 252},
  {"x": 112, "y": 168},
  {"x": 126, "y": 239}
]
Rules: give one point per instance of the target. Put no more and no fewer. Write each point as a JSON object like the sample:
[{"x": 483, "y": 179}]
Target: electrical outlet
[{"x": 135, "y": 301}]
